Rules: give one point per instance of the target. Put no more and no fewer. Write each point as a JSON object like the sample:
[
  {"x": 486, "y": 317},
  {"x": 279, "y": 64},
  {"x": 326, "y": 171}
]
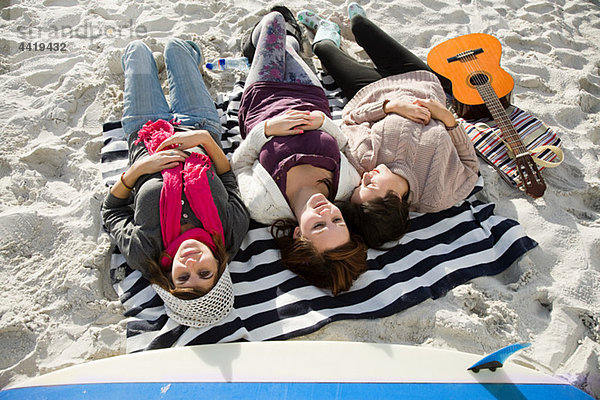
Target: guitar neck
[
  {"x": 530, "y": 175},
  {"x": 499, "y": 115}
]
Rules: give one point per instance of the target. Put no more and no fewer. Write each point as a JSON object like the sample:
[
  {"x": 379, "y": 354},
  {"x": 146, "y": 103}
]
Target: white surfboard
[{"x": 293, "y": 370}]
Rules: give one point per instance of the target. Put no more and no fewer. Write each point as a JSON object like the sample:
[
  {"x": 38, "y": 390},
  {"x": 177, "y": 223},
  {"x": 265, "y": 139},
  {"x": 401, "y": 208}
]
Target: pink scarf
[{"x": 197, "y": 190}]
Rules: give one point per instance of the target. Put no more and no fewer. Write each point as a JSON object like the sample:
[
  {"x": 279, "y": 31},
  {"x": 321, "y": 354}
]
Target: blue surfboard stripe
[{"x": 297, "y": 391}]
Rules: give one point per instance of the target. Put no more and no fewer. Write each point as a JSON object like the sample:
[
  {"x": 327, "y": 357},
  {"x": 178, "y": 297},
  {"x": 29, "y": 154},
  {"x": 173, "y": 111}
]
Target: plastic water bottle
[{"x": 222, "y": 64}]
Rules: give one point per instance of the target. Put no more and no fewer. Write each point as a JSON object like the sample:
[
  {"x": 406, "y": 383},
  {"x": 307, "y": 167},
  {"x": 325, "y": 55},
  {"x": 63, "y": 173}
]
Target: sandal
[{"x": 291, "y": 28}]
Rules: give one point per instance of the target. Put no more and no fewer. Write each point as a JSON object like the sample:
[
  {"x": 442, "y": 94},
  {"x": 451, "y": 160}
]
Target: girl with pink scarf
[{"x": 176, "y": 213}]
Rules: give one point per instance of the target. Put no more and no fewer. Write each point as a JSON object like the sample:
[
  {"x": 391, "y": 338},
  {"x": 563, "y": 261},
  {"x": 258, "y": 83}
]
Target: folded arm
[
  {"x": 118, "y": 218},
  {"x": 187, "y": 139}
]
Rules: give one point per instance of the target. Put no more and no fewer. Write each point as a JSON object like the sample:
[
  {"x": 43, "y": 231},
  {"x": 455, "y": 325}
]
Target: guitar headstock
[{"x": 531, "y": 178}]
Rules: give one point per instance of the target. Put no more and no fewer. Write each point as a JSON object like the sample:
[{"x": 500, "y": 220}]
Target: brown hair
[
  {"x": 378, "y": 221},
  {"x": 333, "y": 269},
  {"x": 162, "y": 276}
]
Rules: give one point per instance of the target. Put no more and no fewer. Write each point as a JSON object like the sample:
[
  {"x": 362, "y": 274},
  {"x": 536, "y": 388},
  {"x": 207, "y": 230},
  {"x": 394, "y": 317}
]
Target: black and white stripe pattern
[{"x": 441, "y": 251}]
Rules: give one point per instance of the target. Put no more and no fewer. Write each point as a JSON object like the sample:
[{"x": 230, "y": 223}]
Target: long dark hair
[
  {"x": 162, "y": 276},
  {"x": 333, "y": 269},
  {"x": 378, "y": 221}
]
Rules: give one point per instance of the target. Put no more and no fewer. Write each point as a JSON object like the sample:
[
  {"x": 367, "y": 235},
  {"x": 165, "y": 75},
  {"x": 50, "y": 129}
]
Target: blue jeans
[{"x": 191, "y": 103}]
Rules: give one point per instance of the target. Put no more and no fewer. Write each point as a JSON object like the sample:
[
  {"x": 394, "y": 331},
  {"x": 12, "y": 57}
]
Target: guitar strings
[
  {"x": 482, "y": 80},
  {"x": 526, "y": 173}
]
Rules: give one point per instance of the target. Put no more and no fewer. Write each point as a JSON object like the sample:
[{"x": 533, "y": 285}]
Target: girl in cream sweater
[{"x": 408, "y": 147}]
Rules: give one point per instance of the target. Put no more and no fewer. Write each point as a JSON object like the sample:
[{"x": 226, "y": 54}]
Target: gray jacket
[{"x": 134, "y": 223}]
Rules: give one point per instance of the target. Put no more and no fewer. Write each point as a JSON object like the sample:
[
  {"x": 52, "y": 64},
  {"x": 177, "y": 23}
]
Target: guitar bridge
[{"x": 465, "y": 54}]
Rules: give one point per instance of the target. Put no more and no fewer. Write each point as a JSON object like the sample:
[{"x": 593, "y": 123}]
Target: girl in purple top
[{"x": 289, "y": 167}]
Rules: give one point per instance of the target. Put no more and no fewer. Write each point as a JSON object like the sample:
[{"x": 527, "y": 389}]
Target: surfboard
[{"x": 293, "y": 370}]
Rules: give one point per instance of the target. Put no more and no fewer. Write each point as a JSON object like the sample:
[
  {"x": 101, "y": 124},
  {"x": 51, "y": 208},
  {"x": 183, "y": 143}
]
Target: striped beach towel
[
  {"x": 485, "y": 135},
  {"x": 440, "y": 251}
]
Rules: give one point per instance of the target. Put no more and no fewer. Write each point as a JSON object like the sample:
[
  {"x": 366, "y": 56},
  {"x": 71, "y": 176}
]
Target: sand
[{"x": 56, "y": 309}]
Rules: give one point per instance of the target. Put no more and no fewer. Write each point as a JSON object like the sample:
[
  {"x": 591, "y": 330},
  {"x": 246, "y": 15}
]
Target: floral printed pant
[{"x": 275, "y": 59}]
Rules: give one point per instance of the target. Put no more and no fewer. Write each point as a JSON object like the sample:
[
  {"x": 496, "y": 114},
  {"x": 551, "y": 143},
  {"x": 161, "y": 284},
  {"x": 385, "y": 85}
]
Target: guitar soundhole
[{"x": 478, "y": 78}]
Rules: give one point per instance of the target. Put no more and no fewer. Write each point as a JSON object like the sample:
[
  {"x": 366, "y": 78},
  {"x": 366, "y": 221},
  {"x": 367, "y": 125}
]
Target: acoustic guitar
[{"x": 481, "y": 88}]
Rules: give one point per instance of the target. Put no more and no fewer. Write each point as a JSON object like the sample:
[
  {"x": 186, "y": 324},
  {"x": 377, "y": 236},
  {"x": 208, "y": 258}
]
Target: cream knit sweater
[{"x": 440, "y": 165}]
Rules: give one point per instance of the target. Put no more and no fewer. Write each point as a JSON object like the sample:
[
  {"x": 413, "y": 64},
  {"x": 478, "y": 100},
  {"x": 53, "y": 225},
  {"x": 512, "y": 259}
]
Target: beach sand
[{"x": 56, "y": 309}]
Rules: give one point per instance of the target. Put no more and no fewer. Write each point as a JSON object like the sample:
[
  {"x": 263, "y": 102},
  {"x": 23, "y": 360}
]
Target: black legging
[{"x": 389, "y": 57}]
